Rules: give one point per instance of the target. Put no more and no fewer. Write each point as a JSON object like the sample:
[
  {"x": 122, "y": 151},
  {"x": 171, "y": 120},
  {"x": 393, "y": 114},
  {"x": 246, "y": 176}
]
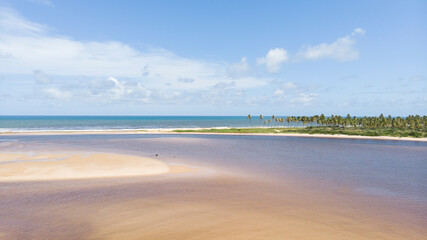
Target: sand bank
[
  {"x": 171, "y": 131},
  {"x": 319, "y": 136},
  {"x": 107, "y": 196},
  {"x": 26, "y": 167}
]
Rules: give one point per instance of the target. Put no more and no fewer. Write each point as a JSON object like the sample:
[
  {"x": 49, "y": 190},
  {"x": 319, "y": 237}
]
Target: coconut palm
[{"x": 414, "y": 122}]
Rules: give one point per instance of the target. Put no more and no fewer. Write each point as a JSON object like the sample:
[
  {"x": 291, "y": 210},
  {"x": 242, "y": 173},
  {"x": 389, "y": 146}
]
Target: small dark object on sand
[{"x": 157, "y": 155}]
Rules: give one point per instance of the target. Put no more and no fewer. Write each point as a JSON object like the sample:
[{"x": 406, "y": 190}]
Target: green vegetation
[
  {"x": 410, "y": 122},
  {"x": 393, "y": 132},
  {"x": 411, "y": 126}
]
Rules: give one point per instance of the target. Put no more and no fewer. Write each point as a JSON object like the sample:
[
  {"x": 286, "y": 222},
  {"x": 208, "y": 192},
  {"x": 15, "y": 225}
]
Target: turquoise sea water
[{"x": 52, "y": 123}]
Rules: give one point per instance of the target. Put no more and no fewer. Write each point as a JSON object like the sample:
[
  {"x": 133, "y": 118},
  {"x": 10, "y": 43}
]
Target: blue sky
[{"x": 213, "y": 57}]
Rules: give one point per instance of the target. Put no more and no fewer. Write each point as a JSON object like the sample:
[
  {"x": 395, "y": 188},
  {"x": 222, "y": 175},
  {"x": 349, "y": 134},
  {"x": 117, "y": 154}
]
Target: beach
[
  {"x": 44, "y": 167},
  {"x": 213, "y": 120},
  {"x": 157, "y": 186},
  {"x": 172, "y": 131}
]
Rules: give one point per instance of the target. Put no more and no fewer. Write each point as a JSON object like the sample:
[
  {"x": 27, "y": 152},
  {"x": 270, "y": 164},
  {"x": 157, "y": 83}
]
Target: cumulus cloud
[
  {"x": 342, "y": 49},
  {"x": 284, "y": 88},
  {"x": 114, "y": 72},
  {"x": 221, "y": 93},
  {"x": 279, "y": 92},
  {"x": 304, "y": 98},
  {"x": 110, "y": 90},
  {"x": 33, "y": 46},
  {"x": 288, "y": 85},
  {"x": 358, "y": 31},
  {"x": 292, "y": 94},
  {"x": 274, "y": 59},
  {"x": 239, "y": 69}
]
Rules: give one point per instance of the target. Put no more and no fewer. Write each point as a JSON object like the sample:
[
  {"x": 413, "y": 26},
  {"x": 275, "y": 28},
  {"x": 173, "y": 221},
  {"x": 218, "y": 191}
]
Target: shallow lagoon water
[
  {"x": 384, "y": 178},
  {"x": 394, "y": 168}
]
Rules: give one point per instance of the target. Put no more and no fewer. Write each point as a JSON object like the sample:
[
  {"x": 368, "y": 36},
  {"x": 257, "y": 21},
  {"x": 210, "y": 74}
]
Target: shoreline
[{"x": 171, "y": 131}]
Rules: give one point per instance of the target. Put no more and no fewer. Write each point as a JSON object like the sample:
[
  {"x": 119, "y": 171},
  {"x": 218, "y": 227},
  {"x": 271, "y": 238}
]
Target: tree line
[{"x": 409, "y": 122}]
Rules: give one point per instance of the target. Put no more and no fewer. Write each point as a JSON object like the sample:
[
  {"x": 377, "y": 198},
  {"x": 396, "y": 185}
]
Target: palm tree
[
  {"x": 250, "y": 118},
  {"x": 414, "y": 122}
]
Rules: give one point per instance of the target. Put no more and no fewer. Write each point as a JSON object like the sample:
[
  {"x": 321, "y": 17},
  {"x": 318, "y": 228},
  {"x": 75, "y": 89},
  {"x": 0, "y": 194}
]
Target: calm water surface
[{"x": 378, "y": 168}]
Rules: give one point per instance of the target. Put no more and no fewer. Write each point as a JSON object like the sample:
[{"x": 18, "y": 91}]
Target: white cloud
[
  {"x": 119, "y": 88},
  {"x": 284, "y": 88},
  {"x": 11, "y": 23},
  {"x": 57, "y": 93},
  {"x": 304, "y": 98},
  {"x": 342, "y": 49},
  {"x": 288, "y": 85},
  {"x": 358, "y": 31},
  {"x": 114, "y": 72},
  {"x": 239, "y": 69},
  {"x": 40, "y": 76},
  {"x": 111, "y": 90},
  {"x": 31, "y": 46},
  {"x": 274, "y": 59},
  {"x": 293, "y": 95},
  {"x": 279, "y": 92}
]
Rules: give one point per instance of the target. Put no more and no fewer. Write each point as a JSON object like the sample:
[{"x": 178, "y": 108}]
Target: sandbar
[
  {"x": 171, "y": 131},
  {"x": 22, "y": 167},
  {"x": 93, "y": 195}
]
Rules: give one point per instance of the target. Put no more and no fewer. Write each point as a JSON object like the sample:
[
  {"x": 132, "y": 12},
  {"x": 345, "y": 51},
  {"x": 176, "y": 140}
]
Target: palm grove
[{"x": 412, "y": 125}]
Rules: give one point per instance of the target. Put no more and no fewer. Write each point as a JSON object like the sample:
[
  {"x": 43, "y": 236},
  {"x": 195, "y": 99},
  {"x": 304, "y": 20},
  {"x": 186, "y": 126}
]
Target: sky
[{"x": 213, "y": 57}]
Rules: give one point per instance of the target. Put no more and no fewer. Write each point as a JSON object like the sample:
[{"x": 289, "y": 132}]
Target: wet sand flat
[
  {"x": 42, "y": 167},
  {"x": 155, "y": 208},
  {"x": 180, "y": 202}
]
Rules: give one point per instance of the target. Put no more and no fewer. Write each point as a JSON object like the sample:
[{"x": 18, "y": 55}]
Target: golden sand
[
  {"x": 86, "y": 199},
  {"x": 12, "y": 156},
  {"x": 21, "y": 167},
  {"x": 171, "y": 131}
]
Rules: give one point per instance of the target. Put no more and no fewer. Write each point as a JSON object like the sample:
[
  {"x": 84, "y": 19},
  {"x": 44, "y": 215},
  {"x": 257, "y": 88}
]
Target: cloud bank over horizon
[
  {"x": 154, "y": 75},
  {"x": 39, "y": 64}
]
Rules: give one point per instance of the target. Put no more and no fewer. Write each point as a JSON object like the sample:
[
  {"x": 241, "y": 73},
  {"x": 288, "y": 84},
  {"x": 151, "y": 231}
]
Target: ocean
[{"x": 98, "y": 123}]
